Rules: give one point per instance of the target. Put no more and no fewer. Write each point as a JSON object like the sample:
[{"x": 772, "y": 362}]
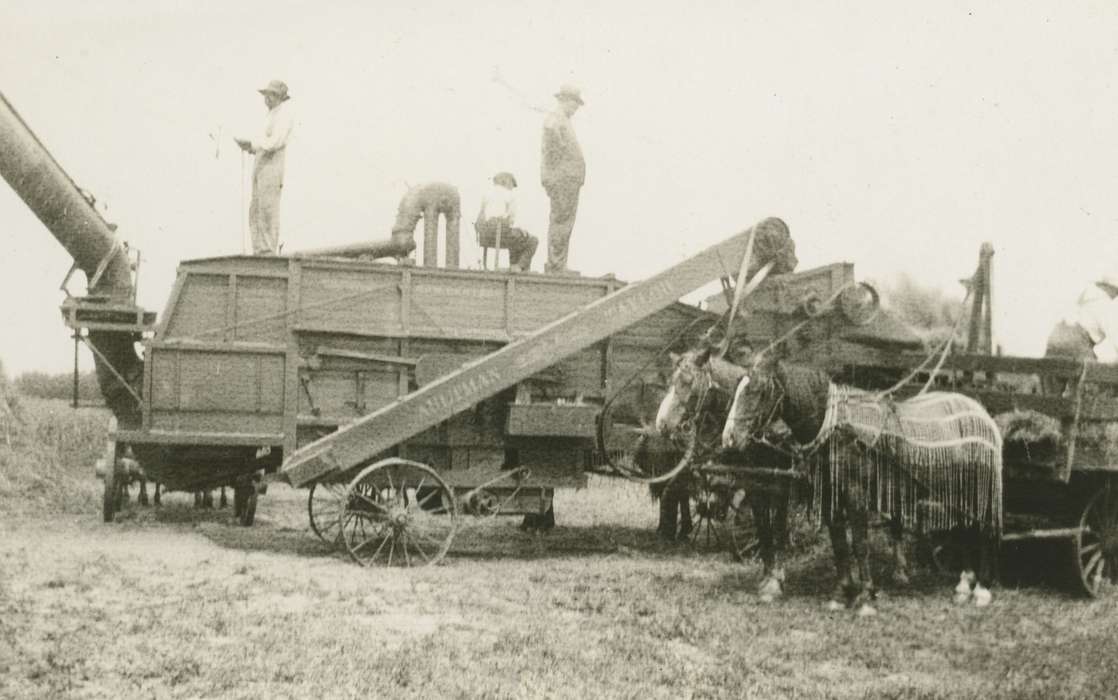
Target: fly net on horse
[{"x": 941, "y": 447}]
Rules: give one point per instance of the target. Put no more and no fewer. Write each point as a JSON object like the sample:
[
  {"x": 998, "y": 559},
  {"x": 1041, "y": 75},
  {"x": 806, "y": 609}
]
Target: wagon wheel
[
  {"x": 1095, "y": 547},
  {"x": 110, "y": 501},
  {"x": 398, "y": 512},
  {"x": 744, "y": 544},
  {"x": 248, "y": 513},
  {"x": 325, "y": 505},
  {"x": 709, "y": 512}
]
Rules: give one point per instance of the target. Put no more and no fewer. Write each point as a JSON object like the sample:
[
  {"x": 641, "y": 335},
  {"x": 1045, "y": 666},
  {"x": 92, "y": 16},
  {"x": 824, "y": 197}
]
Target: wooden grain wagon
[{"x": 1061, "y": 447}]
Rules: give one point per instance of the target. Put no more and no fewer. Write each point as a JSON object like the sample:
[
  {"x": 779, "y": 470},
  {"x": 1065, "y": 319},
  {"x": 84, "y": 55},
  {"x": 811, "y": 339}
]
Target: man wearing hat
[
  {"x": 267, "y": 173},
  {"x": 497, "y": 219},
  {"x": 562, "y": 173},
  {"x": 1085, "y": 330}
]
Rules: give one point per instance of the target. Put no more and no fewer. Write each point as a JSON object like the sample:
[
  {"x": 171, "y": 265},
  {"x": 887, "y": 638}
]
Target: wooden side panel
[
  {"x": 260, "y": 304},
  {"x": 200, "y": 311},
  {"x": 217, "y": 422},
  {"x": 457, "y": 306},
  {"x": 345, "y": 394},
  {"x": 580, "y": 373},
  {"x": 212, "y": 391},
  {"x": 538, "y": 302},
  {"x": 353, "y": 300}
]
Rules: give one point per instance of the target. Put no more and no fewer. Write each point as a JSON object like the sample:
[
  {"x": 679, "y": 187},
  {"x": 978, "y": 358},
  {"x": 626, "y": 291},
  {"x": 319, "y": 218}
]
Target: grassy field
[{"x": 174, "y": 602}]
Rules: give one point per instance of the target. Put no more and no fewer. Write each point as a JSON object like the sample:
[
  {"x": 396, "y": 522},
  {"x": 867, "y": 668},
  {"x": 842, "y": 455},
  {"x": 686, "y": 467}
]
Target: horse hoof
[
  {"x": 770, "y": 589},
  {"x": 982, "y": 596},
  {"x": 834, "y": 606},
  {"x": 866, "y": 610},
  {"x": 900, "y": 579}
]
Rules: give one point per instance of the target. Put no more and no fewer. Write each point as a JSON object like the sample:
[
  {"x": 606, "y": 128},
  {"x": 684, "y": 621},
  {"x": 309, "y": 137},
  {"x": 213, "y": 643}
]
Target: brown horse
[
  {"x": 701, "y": 389},
  {"x": 931, "y": 463}
]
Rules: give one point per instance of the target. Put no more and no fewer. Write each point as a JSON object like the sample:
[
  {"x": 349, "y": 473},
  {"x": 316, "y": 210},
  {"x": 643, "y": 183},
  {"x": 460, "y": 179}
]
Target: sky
[{"x": 896, "y": 136}]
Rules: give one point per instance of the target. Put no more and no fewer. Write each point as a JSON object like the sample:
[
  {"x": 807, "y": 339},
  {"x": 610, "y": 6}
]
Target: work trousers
[
  {"x": 564, "y": 206},
  {"x": 520, "y": 244},
  {"x": 264, "y": 209},
  {"x": 1066, "y": 340}
]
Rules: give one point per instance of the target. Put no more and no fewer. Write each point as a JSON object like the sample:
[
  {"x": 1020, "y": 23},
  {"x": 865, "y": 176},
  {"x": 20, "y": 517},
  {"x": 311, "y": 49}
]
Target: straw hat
[
  {"x": 277, "y": 88},
  {"x": 570, "y": 92}
]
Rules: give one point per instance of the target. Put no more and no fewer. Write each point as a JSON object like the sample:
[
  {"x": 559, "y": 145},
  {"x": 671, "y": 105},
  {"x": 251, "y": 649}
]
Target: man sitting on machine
[{"x": 496, "y": 223}]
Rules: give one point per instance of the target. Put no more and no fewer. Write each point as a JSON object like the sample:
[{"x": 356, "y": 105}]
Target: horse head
[
  {"x": 756, "y": 403},
  {"x": 691, "y": 378}
]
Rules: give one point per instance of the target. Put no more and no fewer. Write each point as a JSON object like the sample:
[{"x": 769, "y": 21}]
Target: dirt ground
[{"x": 173, "y": 602}]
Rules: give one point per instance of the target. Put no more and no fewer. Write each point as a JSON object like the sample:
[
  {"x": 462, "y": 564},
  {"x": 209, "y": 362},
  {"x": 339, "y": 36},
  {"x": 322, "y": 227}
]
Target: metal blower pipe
[
  {"x": 59, "y": 203},
  {"x": 386, "y": 248},
  {"x": 62, "y": 207}
]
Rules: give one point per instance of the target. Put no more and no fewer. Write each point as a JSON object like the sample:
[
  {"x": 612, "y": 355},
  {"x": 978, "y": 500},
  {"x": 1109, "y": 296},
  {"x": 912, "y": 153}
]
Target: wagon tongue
[{"x": 475, "y": 381}]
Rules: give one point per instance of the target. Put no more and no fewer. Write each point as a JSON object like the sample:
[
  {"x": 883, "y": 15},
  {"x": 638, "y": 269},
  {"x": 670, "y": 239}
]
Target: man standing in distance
[
  {"x": 562, "y": 173},
  {"x": 267, "y": 174}
]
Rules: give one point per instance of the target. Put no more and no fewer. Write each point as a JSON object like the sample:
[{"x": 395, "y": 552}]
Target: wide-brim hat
[
  {"x": 1109, "y": 278},
  {"x": 505, "y": 178},
  {"x": 277, "y": 88},
  {"x": 570, "y": 92}
]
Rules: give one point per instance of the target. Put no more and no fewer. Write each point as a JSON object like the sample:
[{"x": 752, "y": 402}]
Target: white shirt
[
  {"x": 277, "y": 130},
  {"x": 499, "y": 202},
  {"x": 1097, "y": 314}
]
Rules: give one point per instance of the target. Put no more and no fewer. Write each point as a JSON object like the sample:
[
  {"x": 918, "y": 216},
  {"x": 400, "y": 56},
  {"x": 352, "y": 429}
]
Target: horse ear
[{"x": 674, "y": 357}]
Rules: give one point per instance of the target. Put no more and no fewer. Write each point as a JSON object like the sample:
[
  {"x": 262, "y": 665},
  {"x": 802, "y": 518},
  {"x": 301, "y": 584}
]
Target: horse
[
  {"x": 701, "y": 388},
  {"x": 932, "y": 463}
]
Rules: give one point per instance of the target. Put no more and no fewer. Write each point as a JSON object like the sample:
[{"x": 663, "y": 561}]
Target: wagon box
[{"x": 555, "y": 420}]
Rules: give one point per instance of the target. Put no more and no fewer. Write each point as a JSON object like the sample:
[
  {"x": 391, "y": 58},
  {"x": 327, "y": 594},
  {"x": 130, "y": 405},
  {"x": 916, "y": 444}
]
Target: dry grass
[
  {"x": 47, "y": 457},
  {"x": 180, "y": 603}
]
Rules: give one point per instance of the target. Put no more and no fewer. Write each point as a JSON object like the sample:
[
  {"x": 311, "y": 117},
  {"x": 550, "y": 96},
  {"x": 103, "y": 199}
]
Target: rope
[{"x": 283, "y": 314}]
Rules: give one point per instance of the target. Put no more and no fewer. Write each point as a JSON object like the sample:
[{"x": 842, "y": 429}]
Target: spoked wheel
[
  {"x": 248, "y": 512},
  {"x": 325, "y": 505},
  {"x": 744, "y": 544},
  {"x": 110, "y": 501},
  {"x": 1095, "y": 548},
  {"x": 709, "y": 511},
  {"x": 398, "y": 512}
]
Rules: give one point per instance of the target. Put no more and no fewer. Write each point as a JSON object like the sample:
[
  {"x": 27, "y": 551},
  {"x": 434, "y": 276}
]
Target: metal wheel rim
[
  {"x": 398, "y": 513},
  {"x": 1096, "y": 545},
  {"x": 744, "y": 543},
  {"x": 325, "y": 506},
  {"x": 707, "y": 522}
]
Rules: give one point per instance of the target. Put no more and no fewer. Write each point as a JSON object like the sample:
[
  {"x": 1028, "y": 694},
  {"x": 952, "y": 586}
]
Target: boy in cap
[
  {"x": 562, "y": 173},
  {"x": 267, "y": 172},
  {"x": 498, "y": 214}
]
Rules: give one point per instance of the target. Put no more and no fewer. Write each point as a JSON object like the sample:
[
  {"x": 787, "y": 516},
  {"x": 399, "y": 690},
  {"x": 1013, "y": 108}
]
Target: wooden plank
[
  {"x": 163, "y": 437},
  {"x": 230, "y": 330},
  {"x": 1097, "y": 372},
  {"x": 439, "y": 400},
  {"x": 1055, "y": 533},
  {"x": 189, "y": 346},
  {"x": 553, "y": 420},
  {"x": 367, "y": 356},
  {"x": 291, "y": 388}
]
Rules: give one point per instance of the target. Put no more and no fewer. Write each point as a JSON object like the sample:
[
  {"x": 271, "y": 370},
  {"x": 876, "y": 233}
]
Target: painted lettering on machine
[{"x": 466, "y": 392}]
